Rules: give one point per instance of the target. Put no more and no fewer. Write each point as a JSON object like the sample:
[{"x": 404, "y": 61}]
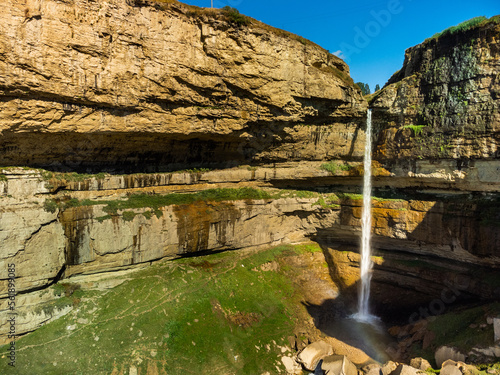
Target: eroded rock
[
  {"x": 147, "y": 87},
  {"x": 313, "y": 353},
  {"x": 420, "y": 364}
]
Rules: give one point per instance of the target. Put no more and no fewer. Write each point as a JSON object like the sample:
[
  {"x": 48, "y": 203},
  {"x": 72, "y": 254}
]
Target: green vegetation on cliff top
[
  {"x": 466, "y": 25},
  {"x": 332, "y": 199},
  {"x": 222, "y": 313}
]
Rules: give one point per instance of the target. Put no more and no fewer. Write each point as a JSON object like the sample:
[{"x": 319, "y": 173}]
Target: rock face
[
  {"x": 129, "y": 85},
  {"x": 443, "y": 103},
  {"x": 422, "y": 245},
  {"x": 451, "y": 229},
  {"x": 44, "y": 242},
  {"x": 137, "y": 86},
  {"x": 91, "y": 238},
  {"x": 96, "y": 245}
]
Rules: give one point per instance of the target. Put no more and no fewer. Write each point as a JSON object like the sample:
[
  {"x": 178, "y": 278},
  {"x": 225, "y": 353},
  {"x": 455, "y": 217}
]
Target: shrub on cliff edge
[
  {"x": 235, "y": 16},
  {"x": 466, "y": 25}
]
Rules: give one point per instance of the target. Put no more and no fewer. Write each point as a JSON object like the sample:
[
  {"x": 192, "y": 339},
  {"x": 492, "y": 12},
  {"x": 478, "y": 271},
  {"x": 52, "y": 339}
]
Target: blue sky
[{"x": 371, "y": 36}]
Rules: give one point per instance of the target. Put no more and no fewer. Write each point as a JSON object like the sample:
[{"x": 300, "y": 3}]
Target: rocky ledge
[{"x": 55, "y": 226}]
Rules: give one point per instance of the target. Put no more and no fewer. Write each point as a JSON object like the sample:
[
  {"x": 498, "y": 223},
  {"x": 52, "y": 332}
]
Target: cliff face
[
  {"x": 123, "y": 85},
  {"x": 139, "y": 86},
  {"x": 444, "y": 102},
  {"x": 97, "y": 225}
]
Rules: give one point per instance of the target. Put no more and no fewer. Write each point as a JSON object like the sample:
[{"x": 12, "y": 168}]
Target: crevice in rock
[{"x": 39, "y": 229}]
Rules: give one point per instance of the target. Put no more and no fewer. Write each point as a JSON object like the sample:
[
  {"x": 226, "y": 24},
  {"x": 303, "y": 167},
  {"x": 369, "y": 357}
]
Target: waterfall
[{"x": 363, "y": 313}]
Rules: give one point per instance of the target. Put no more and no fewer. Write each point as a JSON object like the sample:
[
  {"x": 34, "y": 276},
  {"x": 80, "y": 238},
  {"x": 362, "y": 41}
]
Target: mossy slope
[{"x": 222, "y": 313}]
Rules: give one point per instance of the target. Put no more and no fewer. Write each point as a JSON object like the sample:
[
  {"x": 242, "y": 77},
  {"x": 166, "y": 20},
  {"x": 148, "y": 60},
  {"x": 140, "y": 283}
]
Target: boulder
[
  {"x": 404, "y": 370},
  {"x": 444, "y": 353},
  {"x": 470, "y": 369},
  {"x": 313, "y": 353},
  {"x": 388, "y": 368},
  {"x": 420, "y": 363},
  {"x": 291, "y": 365},
  {"x": 372, "y": 369},
  {"x": 450, "y": 367},
  {"x": 338, "y": 365}
]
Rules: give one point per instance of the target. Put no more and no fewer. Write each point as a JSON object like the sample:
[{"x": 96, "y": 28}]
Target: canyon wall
[
  {"x": 133, "y": 86},
  {"x": 444, "y": 102},
  {"x": 82, "y": 229},
  {"x": 85, "y": 231}
]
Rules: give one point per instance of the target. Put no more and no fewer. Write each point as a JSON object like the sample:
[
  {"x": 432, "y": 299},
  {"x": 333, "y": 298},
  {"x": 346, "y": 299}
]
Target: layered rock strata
[
  {"x": 444, "y": 102},
  {"x": 54, "y": 236},
  {"x": 147, "y": 86},
  {"x": 132, "y": 86}
]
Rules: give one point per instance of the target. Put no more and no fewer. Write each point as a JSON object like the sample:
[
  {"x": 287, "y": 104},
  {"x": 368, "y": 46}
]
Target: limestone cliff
[
  {"x": 143, "y": 86},
  {"x": 132, "y": 85},
  {"x": 444, "y": 102},
  {"x": 53, "y": 229}
]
